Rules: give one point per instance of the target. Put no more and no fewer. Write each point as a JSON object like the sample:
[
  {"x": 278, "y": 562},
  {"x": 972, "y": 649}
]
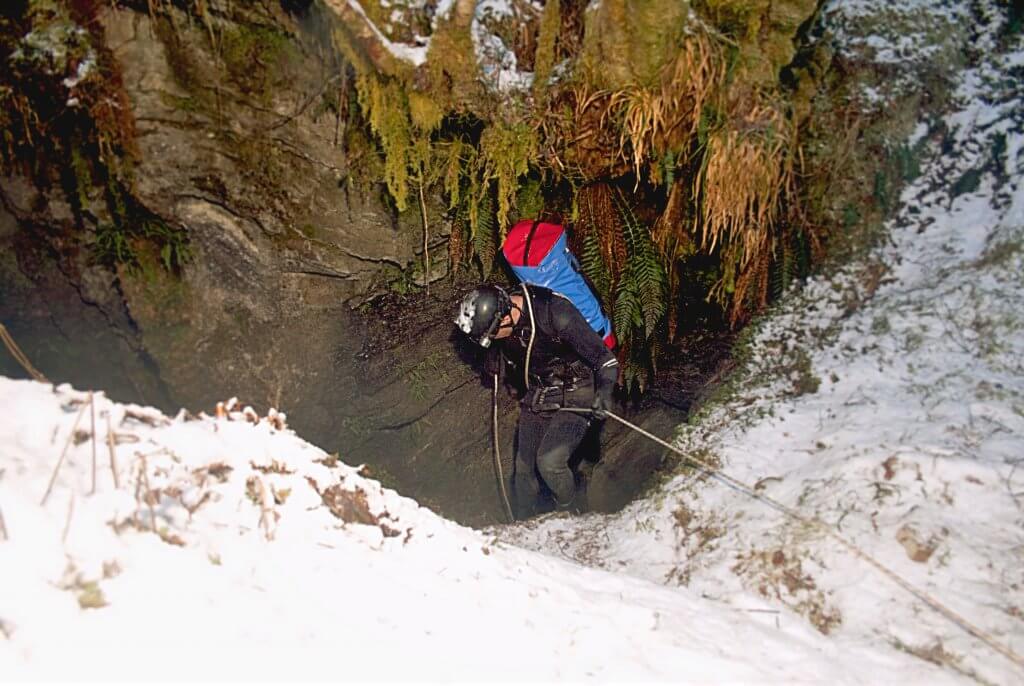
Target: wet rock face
[
  {"x": 283, "y": 245},
  {"x": 247, "y": 161}
]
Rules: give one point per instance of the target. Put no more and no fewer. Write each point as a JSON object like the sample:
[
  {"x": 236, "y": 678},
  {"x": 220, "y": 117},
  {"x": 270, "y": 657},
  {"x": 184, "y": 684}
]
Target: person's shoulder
[
  {"x": 563, "y": 312},
  {"x": 537, "y": 292}
]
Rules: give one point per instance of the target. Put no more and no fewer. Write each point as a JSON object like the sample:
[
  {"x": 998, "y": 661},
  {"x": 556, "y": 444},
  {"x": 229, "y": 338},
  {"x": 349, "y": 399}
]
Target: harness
[{"x": 552, "y": 392}]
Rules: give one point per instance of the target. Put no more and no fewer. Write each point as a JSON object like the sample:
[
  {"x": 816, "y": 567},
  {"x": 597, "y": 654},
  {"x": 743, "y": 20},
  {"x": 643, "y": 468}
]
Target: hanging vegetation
[
  {"x": 67, "y": 126},
  {"x": 653, "y": 110}
]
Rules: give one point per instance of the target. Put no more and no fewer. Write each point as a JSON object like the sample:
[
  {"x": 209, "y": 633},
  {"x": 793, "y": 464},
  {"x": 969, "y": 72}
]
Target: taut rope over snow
[{"x": 923, "y": 596}]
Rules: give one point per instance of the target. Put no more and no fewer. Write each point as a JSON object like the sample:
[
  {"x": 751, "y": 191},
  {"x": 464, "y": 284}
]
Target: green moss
[
  {"x": 180, "y": 58},
  {"x": 529, "y": 198},
  {"x": 453, "y": 70},
  {"x": 544, "y": 59},
  {"x": 627, "y": 42},
  {"x": 508, "y": 151},
  {"x": 253, "y": 56},
  {"x": 384, "y": 105},
  {"x": 764, "y": 32}
]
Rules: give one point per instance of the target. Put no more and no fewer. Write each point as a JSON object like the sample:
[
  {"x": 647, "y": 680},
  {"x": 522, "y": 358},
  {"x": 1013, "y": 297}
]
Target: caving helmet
[{"x": 481, "y": 311}]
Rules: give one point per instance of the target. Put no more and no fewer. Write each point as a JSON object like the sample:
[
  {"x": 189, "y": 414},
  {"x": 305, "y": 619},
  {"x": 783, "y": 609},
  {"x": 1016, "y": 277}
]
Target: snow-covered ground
[{"x": 886, "y": 400}]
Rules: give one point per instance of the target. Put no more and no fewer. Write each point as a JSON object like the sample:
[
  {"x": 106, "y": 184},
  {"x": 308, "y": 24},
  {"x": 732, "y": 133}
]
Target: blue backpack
[{"x": 539, "y": 254}]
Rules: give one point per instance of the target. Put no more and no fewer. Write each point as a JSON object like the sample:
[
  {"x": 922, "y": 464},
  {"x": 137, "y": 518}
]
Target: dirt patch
[{"x": 781, "y": 576}]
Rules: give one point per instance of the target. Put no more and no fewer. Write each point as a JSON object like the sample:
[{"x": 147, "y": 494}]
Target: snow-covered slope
[
  {"x": 886, "y": 400},
  {"x": 237, "y": 550}
]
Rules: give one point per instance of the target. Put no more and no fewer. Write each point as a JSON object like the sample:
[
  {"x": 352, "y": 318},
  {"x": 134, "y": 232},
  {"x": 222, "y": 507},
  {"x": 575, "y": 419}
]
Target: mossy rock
[{"x": 626, "y": 42}]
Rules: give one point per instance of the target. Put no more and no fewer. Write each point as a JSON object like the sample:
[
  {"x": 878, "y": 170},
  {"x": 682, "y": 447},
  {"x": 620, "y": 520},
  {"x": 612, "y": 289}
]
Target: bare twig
[
  {"x": 3, "y": 527},
  {"x": 19, "y": 356},
  {"x": 143, "y": 471},
  {"x": 92, "y": 412},
  {"x": 266, "y": 504},
  {"x": 113, "y": 458},
  {"x": 56, "y": 470}
]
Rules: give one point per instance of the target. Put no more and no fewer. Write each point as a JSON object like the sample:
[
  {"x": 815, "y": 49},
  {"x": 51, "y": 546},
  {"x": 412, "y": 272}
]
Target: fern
[
  {"x": 457, "y": 240},
  {"x": 594, "y": 268},
  {"x": 628, "y": 313},
  {"x": 782, "y": 269},
  {"x": 644, "y": 269}
]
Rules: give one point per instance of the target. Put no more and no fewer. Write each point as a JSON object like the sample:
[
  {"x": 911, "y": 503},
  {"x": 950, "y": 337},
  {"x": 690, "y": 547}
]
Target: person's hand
[
  {"x": 492, "y": 362},
  {"x": 602, "y": 405}
]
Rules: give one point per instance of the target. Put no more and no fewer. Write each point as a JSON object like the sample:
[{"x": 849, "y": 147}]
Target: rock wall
[{"x": 293, "y": 293}]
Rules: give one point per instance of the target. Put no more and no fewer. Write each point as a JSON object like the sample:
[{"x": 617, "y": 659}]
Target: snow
[
  {"x": 414, "y": 54},
  {"x": 201, "y": 580},
  {"x": 499, "y": 67},
  {"x": 885, "y": 399}
]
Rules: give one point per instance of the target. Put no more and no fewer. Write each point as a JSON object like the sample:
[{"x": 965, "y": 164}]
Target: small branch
[
  {"x": 426, "y": 236},
  {"x": 113, "y": 458},
  {"x": 67, "y": 444},
  {"x": 3, "y": 527},
  {"x": 19, "y": 356},
  {"x": 145, "y": 496},
  {"x": 267, "y": 513}
]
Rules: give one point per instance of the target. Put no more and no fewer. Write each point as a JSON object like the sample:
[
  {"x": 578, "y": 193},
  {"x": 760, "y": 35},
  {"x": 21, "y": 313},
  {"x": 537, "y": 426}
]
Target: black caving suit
[{"x": 569, "y": 364}]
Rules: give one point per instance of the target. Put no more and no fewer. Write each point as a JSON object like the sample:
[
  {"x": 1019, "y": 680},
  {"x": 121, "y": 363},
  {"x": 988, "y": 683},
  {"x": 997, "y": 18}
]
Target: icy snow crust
[{"x": 234, "y": 549}]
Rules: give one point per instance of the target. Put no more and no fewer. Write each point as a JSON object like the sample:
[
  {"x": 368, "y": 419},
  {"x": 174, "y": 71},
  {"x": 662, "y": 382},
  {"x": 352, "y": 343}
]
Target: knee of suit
[{"x": 554, "y": 459}]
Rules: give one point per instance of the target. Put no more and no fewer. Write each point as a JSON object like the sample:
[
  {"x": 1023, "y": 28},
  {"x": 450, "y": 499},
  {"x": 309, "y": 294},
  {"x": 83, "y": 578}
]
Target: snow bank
[
  {"x": 886, "y": 400},
  {"x": 233, "y": 549}
]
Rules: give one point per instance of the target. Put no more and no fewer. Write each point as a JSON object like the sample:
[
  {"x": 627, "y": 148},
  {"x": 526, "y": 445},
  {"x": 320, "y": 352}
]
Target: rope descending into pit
[
  {"x": 533, "y": 334},
  {"x": 497, "y": 455},
  {"x": 923, "y": 596},
  {"x": 19, "y": 356}
]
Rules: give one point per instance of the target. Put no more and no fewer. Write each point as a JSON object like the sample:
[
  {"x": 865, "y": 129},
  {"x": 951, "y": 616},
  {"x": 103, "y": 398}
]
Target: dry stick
[
  {"x": 924, "y": 597},
  {"x": 265, "y": 510},
  {"x": 67, "y": 445},
  {"x": 92, "y": 412},
  {"x": 426, "y": 235},
  {"x": 145, "y": 496},
  {"x": 19, "y": 356},
  {"x": 113, "y": 459}
]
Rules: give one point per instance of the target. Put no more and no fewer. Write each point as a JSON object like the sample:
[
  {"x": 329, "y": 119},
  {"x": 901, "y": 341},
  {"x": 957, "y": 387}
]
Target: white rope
[
  {"x": 533, "y": 334},
  {"x": 497, "y": 454},
  {"x": 923, "y": 596}
]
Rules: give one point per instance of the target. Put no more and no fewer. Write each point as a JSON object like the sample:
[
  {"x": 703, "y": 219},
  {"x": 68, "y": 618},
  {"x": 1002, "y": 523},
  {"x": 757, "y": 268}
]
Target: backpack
[{"x": 538, "y": 253}]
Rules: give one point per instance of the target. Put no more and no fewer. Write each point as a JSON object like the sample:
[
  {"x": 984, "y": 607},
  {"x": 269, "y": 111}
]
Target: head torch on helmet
[{"x": 481, "y": 311}]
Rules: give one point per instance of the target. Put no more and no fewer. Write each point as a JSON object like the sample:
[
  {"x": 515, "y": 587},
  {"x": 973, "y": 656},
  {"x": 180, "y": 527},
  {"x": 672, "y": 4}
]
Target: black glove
[
  {"x": 602, "y": 404},
  {"x": 492, "y": 363}
]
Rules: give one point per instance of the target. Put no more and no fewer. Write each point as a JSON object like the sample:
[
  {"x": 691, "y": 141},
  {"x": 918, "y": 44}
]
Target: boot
[{"x": 576, "y": 506}]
